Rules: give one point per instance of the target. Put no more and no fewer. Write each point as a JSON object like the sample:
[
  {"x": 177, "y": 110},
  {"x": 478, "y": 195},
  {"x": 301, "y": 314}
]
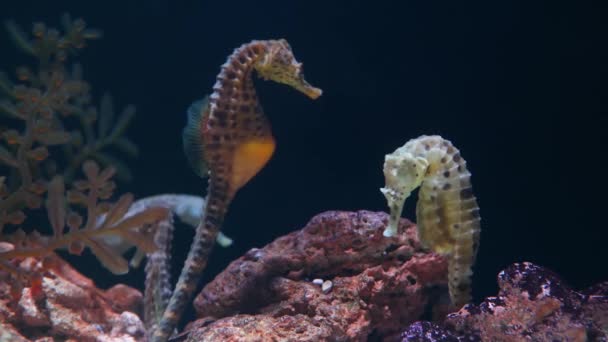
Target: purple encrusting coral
[
  {"x": 423, "y": 331},
  {"x": 533, "y": 304}
]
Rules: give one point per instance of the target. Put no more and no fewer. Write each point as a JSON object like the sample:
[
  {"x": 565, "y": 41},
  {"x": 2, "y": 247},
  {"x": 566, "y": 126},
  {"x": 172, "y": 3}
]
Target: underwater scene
[{"x": 237, "y": 170}]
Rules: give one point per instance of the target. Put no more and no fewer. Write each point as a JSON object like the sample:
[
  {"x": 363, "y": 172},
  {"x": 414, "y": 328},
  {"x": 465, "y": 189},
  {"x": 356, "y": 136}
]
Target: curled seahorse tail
[
  {"x": 202, "y": 245},
  {"x": 459, "y": 279}
]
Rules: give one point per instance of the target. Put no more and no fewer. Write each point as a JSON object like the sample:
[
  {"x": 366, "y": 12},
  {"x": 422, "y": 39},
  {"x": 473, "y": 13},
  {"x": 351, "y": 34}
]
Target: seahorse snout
[{"x": 303, "y": 86}]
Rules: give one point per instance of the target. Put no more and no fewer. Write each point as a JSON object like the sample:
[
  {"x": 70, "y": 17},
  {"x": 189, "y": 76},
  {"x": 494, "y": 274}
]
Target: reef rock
[
  {"x": 336, "y": 279},
  {"x": 56, "y": 303},
  {"x": 533, "y": 304}
]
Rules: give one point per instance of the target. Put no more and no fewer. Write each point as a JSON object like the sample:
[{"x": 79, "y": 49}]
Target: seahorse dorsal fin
[{"x": 192, "y": 138}]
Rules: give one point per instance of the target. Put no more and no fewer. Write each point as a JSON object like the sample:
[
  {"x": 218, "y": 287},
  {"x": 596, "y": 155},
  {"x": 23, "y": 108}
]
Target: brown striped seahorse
[
  {"x": 229, "y": 138},
  {"x": 447, "y": 211}
]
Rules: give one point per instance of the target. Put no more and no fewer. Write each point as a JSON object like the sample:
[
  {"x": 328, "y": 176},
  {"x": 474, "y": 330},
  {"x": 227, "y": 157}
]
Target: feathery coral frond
[
  {"x": 90, "y": 234},
  {"x": 51, "y": 105},
  {"x": 55, "y": 205}
]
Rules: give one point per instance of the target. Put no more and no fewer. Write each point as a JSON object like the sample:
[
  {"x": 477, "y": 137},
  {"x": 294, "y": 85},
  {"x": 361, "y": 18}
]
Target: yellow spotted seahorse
[
  {"x": 447, "y": 211},
  {"x": 229, "y": 139}
]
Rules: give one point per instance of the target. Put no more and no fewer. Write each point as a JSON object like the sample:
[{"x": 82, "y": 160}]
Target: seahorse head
[
  {"x": 403, "y": 172},
  {"x": 280, "y": 65}
]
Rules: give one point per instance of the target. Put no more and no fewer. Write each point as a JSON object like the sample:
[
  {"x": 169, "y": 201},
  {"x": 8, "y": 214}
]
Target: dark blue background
[{"x": 519, "y": 86}]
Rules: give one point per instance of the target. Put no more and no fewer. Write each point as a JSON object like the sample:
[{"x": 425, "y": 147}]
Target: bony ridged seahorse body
[
  {"x": 447, "y": 213},
  {"x": 229, "y": 139}
]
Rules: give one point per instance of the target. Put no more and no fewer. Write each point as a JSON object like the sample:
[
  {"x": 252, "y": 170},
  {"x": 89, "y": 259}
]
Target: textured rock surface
[
  {"x": 533, "y": 304},
  {"x": 378, "y": 284},
  {"x": 59, "y": 303}
]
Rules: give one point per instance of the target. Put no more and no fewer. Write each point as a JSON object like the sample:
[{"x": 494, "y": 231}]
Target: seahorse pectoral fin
[
  {"x": 191, "y": 136},
  {"x": 249, "y": 158}
]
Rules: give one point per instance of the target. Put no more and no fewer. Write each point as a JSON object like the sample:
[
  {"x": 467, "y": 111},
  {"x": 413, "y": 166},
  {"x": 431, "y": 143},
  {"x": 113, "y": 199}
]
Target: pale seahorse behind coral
[{"x": 447, "y": 213}]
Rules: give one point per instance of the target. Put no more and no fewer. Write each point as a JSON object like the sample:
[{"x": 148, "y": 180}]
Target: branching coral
[
  {"x": 52, "y": 106},
  {"x": 81, "y": 234},
  {"x": 58, "y": 132}
]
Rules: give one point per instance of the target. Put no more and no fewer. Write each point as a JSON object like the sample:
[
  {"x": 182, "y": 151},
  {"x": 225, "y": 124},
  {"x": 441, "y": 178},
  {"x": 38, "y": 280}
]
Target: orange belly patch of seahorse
[{"x": 249, "y": 158}]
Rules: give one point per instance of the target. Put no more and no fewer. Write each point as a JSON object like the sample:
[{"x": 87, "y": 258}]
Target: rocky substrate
[
  {"x": 337, "y": 279},
  {"x": 53, "y": 302}
]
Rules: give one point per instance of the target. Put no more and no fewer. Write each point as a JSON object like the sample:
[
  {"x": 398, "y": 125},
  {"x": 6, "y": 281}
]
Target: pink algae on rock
[
  {"x": 67, "y": 307},
  {"x": 378, "y": 284}
]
